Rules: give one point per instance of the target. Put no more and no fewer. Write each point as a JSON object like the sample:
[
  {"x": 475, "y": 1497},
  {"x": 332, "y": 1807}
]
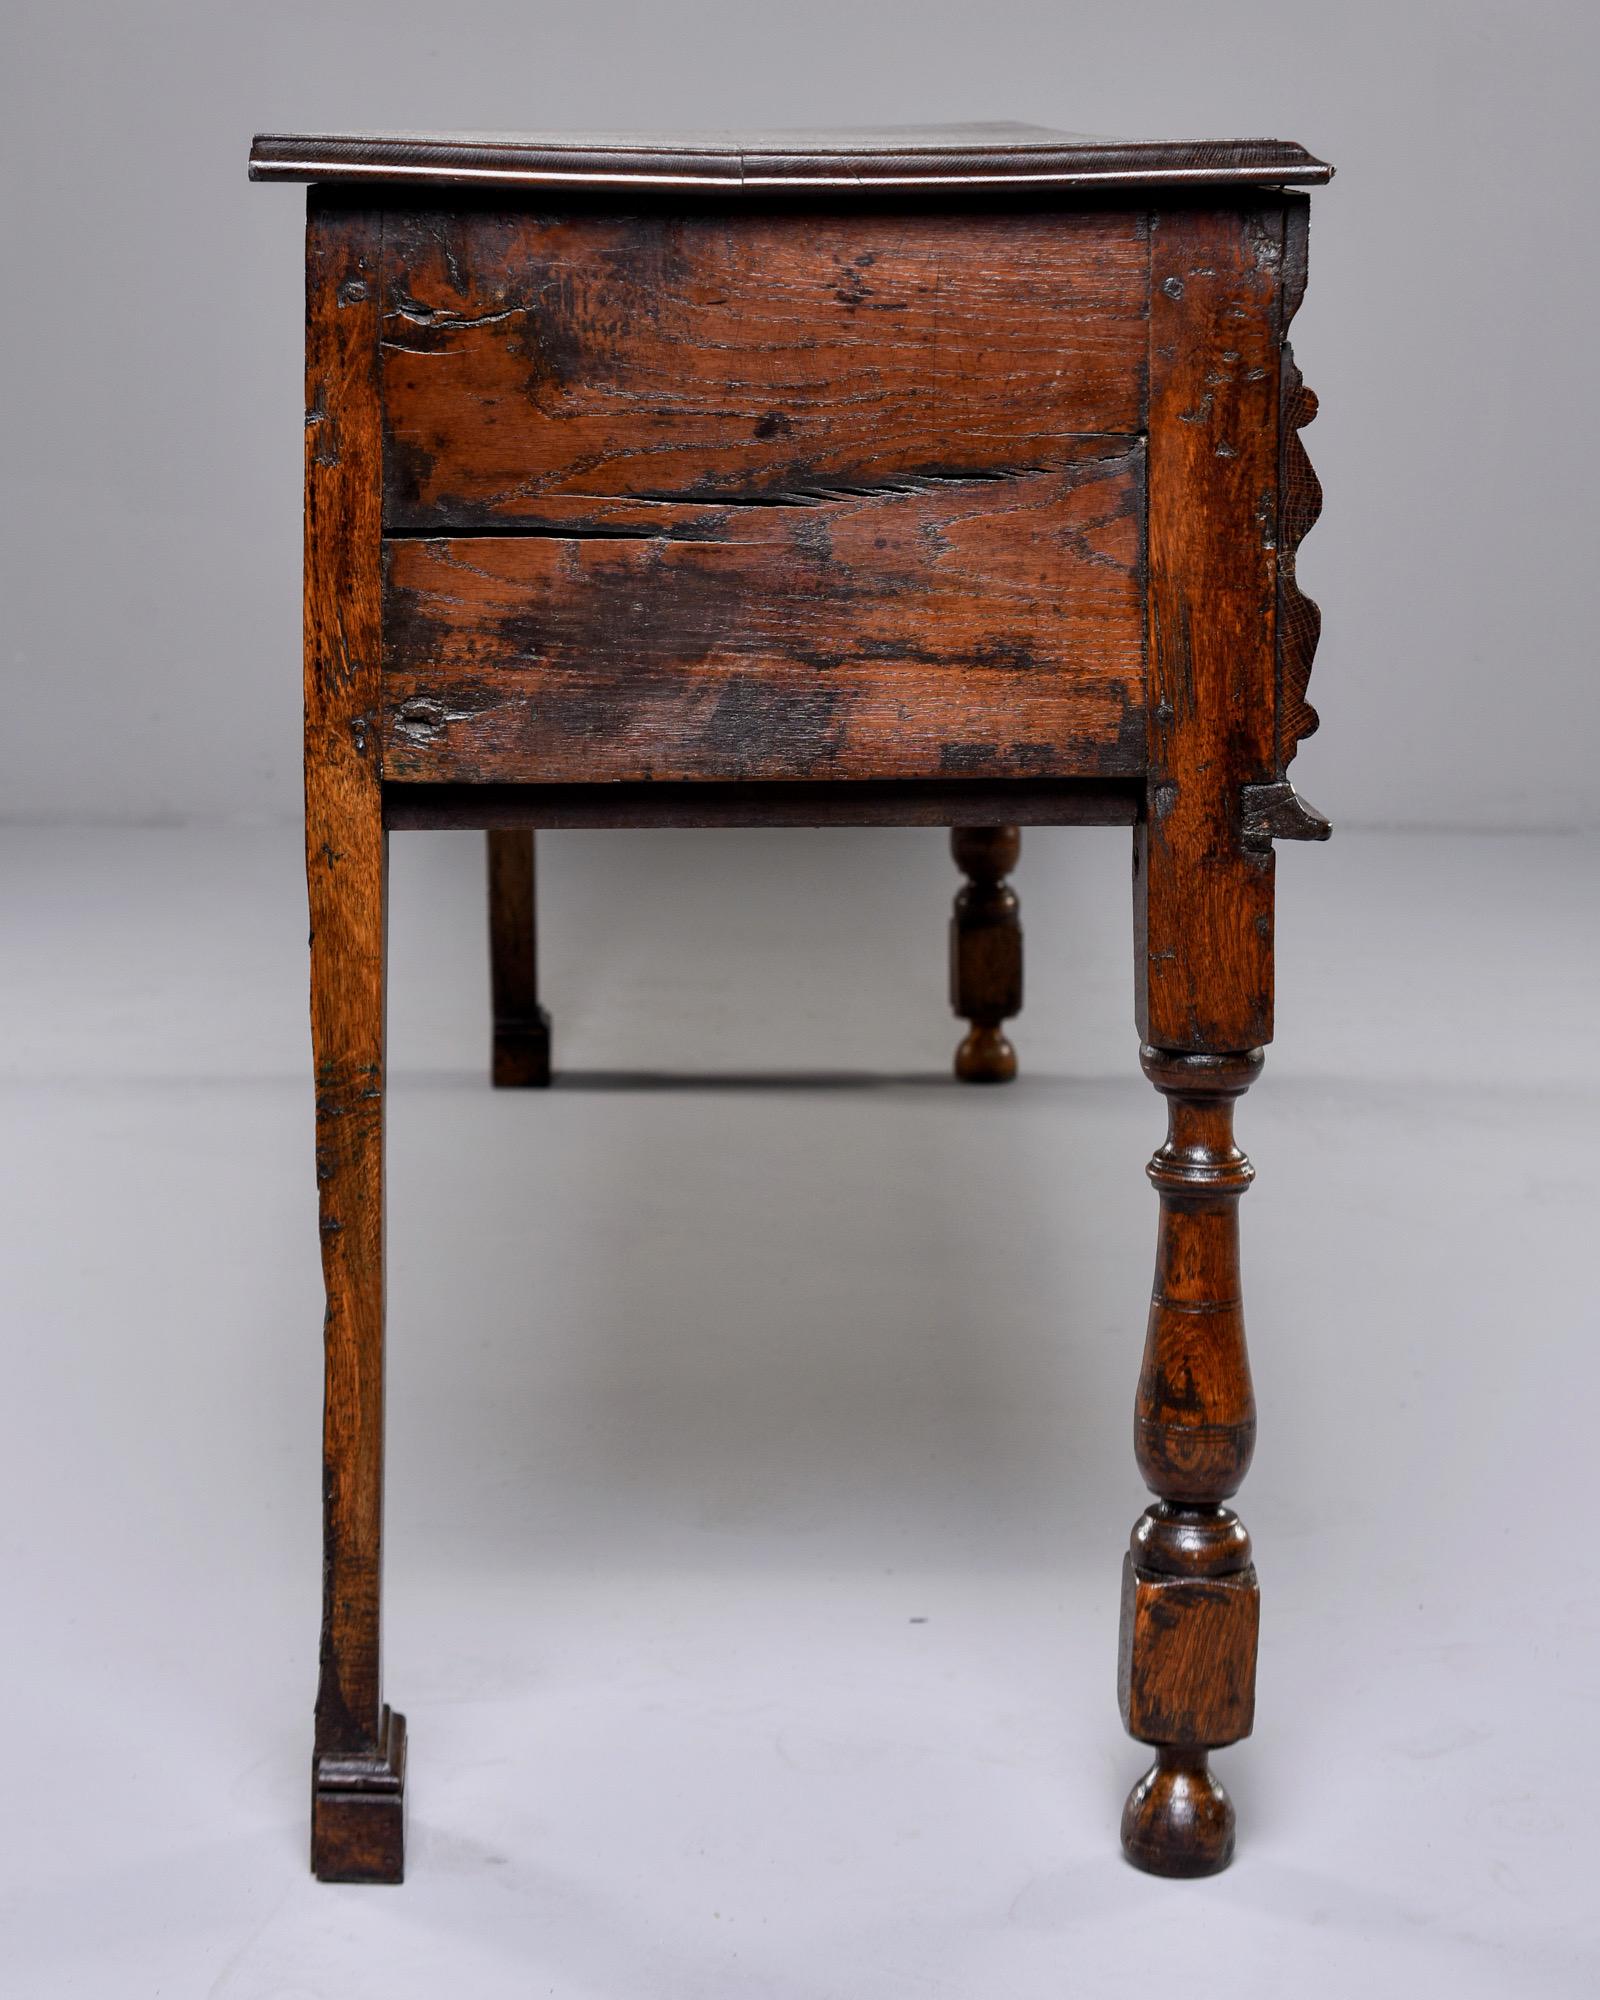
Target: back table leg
[
  {"x": 986, "y": 951},
  {"x": 521, "y": 1026}
]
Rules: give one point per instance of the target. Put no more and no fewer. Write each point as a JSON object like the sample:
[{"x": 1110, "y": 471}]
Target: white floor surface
[{"x": 760, "y": 1421}]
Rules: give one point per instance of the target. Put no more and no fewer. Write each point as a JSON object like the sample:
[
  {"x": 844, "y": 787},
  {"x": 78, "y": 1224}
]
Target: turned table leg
[
  {"x": 986, "y": 951},
  {"x": 521, "y": 1057},
  {"x": 1189, "y": 1596},
  {"x": 358, "y": 1764}
]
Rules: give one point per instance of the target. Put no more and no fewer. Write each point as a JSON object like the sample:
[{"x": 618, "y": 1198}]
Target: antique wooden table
[{"x": 941, "y": 477}]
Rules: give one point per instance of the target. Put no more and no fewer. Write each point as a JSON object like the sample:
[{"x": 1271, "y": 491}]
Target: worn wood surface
[
  {"x": 986, "y": 951},
  {"x": 345, "y": 863},
  {"x": 930, "y": 157},
  {"x": 1190, "y": 1602},
  {"x": 1203, "y": 894},
  {"x": 970, "y": 629},
  {"x": 521, "y": 1028},
  {"x": 703, "y": 355}
]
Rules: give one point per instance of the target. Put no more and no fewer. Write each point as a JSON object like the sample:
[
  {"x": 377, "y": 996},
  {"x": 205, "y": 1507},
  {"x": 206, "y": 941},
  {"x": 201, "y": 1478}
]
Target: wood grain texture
[
  {"x": 1203, "y": 894},
  {"x": 956, "y": 629},
  {"x": 942, "y": 157},
  {"x": 709, "y": 354},
  {"x": 345, "y": 863},
  {"x": 1187, "y": 1669}
]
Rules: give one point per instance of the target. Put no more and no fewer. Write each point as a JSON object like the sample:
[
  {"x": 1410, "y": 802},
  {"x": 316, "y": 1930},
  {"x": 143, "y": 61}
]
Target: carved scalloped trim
[{"x": 1299, "y": 619}]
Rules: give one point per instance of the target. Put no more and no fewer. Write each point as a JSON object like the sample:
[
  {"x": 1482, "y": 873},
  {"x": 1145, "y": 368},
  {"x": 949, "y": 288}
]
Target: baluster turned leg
[
  {"x": 1189, "y": 1595},
  {"x": 986, "y": 951},
  {"x": 521, "y": 1058}
]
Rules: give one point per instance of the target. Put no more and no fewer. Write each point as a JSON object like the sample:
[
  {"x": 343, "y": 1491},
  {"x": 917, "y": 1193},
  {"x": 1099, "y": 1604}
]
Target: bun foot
[
  {"x": 985, "y": 1056},
  {"x": 1178, "y": 1819}
]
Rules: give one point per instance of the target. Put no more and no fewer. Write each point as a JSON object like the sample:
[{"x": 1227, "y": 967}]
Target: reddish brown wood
[
  {"x": 521, "y": 1053},
  {"x": 986, "y": 951},
  {"x": 969, "y": 629},
  {"x": 358, "y": 1767},
  {"x": 804, "y": 354},
  {"x": 1203, "y": 894},
  {"x": 1190, "y": 1604}
]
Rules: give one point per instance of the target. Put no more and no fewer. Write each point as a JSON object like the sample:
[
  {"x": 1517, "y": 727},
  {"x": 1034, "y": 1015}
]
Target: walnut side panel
[
  {"x": 728, "y": 353},
  {"x": 1203, "y": 894},
  {"x": 947, "y": 628}
]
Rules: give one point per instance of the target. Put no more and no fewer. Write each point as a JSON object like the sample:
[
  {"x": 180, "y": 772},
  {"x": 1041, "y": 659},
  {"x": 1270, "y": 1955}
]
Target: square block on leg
[
  {"x": 986, "y": 967},
  {"x": 521, "y": 1053},
  {"x": 358, "y": 1811},
  {"x": 1187, "y": 1672}
]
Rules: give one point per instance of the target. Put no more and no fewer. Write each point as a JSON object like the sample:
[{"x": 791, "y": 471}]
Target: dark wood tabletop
[{"x": 998, "y": 155}]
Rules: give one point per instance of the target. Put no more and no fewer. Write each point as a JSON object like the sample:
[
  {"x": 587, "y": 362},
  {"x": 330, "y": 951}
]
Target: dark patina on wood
[
  {"x": 738, "y": 497},
  {"x": 971, "y": 629},
  {"x": 931, "y": 158},
  {"x": 796, "y": 355}
]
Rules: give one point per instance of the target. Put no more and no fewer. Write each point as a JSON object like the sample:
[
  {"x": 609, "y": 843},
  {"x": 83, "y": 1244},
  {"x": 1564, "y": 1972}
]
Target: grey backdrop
[
  {"x": 151, "y": 459},
  {"x": 759, "y": 1405}
]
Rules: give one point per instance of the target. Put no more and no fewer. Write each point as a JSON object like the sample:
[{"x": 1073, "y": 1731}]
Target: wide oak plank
[
  {"x": 718, "y": 353},
  {"x": 974, "y": 628}
]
